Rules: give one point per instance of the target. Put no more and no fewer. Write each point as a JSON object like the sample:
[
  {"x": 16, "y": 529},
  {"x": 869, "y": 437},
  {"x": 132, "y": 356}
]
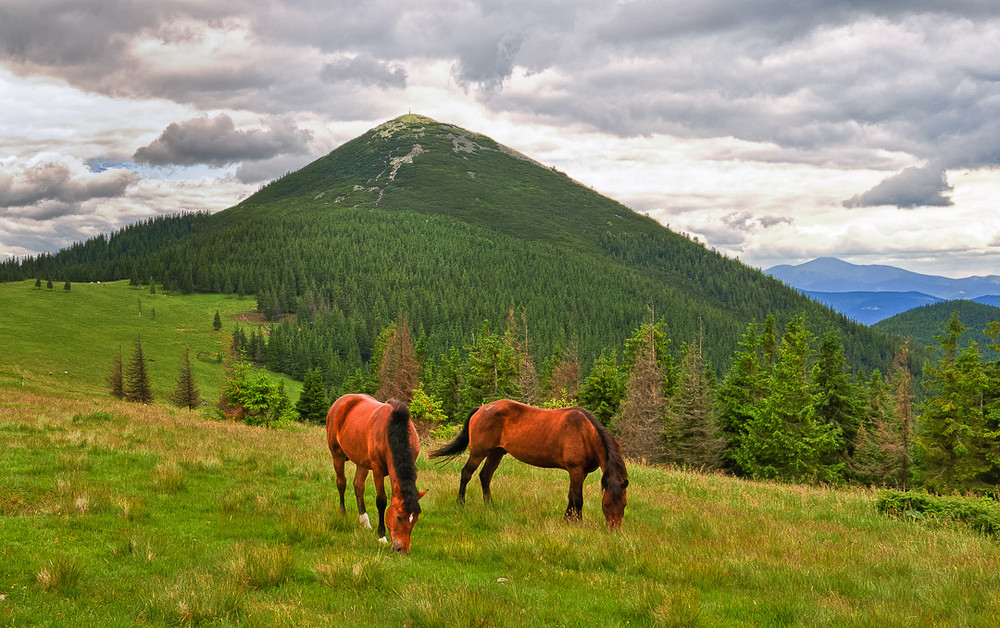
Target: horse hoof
[
  {"x": 383, "y": 540},
  {"x": 365, "y": 523}
]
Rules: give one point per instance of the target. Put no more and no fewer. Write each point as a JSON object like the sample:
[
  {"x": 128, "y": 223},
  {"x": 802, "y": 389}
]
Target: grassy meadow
[
  {"x": 117, "y": 514},
  {"x": 66, "y": 340}
]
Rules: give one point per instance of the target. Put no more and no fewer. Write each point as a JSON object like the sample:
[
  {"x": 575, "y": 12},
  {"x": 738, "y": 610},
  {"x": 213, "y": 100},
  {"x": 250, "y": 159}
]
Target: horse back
[{"x": 561, "y": 438}]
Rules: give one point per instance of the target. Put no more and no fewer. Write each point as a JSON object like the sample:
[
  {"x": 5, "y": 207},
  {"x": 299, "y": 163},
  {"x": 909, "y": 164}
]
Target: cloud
[
  {"x": 913, "y": 187},
  {"x": 50, "y": 187},
  {"x": 217, "y": 142},
  {"x": 487, "y": 64},
  {"x": 364, "y": 70}
]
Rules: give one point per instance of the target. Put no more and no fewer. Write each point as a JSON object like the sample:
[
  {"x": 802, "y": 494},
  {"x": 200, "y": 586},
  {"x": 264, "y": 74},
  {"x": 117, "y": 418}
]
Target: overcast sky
[{"x": 775, "y": 131}]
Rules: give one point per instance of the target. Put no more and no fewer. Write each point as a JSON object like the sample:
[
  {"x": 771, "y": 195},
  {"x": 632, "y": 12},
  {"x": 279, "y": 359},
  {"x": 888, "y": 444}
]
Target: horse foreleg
[
  {"x": 338, "y": 466},
  {"x": 380, "y": 503},
  {"x": 486, "y": 474},
  {"x": 360, "y": 475},
  {"x": 574, "y": 510},
  {"x": 467, "y": 471}
]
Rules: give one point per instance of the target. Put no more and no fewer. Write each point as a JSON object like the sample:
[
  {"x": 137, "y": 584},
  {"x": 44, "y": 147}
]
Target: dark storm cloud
[
  {"x": 913, "y": 187},
  {"x": 50, "y": 189},
  {"x": 364, "y": 70},
  {"x": 217, "y": 142},
  {"x": 489, "y": 63}
]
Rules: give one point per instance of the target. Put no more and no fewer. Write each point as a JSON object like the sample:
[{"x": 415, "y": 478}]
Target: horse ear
[
  {"x": 625, "y": 484},
  {"x": 422, "y": 493}
]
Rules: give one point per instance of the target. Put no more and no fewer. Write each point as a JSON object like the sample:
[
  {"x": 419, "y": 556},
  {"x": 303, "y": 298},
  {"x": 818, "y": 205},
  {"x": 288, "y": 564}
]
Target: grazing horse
[
  {"x": 567, "y": 438},
  {"x": 378, "y": 438}
]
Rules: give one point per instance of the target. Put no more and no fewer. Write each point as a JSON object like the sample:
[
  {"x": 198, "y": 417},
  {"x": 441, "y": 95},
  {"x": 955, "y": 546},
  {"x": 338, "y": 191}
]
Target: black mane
[
  {"x": 402, "y": 455},
  {"x": 614, "y": 479}
]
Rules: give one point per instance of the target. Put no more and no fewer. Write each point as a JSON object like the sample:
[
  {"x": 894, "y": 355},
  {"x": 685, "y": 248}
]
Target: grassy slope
[
  {"x": 67, "y": 340},
  {"x": 151, "y": 516}
]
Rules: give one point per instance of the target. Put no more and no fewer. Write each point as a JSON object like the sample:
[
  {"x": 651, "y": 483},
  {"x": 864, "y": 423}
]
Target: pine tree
[
  {"x": 185, "y": 394},
  {"x": 838, "y": 400},
  {"x": 692, "y": 435},
  {"x": 741, "y": 394},
  {"x": 491, "y": 370},
  {"x": 952, "y": 435},
  {"x": 137, "y": 384},
  {"x": 116, "y": 376},
  {"x": 603, "y": 390},
  {"x": 784, "y": 439},
  {"x": 313, "y": 404},
  {"x": 217, "y": 322},
  {"x": 399, "y": 372},
  {"x": 641, "y": 422}
]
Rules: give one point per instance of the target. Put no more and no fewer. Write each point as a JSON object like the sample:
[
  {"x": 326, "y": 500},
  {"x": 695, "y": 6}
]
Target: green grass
[
  {"x": 118, "y": 514},
  {"x": 66, "y": 340}
]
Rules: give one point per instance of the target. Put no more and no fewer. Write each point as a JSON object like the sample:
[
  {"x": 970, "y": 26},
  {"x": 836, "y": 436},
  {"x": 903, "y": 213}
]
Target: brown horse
[
  {"x": 567, "y": 438},
  {"x": 378, "y": 438}
]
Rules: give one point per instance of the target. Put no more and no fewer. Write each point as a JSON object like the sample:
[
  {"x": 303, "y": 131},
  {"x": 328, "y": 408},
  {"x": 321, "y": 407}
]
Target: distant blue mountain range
[{"x": 869, "y": 294}]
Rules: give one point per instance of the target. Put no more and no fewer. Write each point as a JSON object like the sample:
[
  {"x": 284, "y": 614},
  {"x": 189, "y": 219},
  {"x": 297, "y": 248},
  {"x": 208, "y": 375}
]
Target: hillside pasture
[{"x": 117, "y": 514}]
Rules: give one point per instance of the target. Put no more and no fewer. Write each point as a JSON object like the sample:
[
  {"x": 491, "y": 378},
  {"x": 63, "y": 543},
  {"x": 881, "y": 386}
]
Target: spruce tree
[
  {"x": 953, "y": 439},
  {"x": 641, "y": 421},
  {"x": 185, "y": 393},
  {"x": 604, "y": 388},
  {"x": 48, "y": 283},
  {"x": 116, "y": 376},
  {"x": 217, "y": 322},
  {"x": 491, "y": 370},
  {"x": 738, "y": 399},
  {"x": 38, "y": 282},
  {"x": 692, "y": 434},
  {"x": 399, "y": 372},
  {"x": 313, "y": 404},
  {"x": 838, "y": 400},
  {"x": 137, "y": 385},
  {"x": 785, "y": 439},
  {"x": 66, "y": 285}
]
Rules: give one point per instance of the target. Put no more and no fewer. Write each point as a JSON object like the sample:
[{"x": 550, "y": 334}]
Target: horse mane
[
  {"x": 615, "y": 476},
  {"x": 402, "y": 455}
]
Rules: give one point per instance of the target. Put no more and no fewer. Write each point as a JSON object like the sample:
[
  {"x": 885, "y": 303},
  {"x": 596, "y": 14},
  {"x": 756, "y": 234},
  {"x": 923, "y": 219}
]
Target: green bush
[{"x": 979, "y": 513}]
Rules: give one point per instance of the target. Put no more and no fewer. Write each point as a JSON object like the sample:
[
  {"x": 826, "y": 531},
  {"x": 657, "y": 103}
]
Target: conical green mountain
[{"x": 451, "y": 229}]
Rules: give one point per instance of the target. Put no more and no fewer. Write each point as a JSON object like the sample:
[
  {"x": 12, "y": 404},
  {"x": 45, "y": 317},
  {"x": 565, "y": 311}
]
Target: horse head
[
  {"x": 613, "y": 503},
  {"x": 400, "y": 520}
]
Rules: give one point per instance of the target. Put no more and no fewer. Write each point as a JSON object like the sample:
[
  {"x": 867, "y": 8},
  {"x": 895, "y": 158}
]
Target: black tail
[{"x": 457, "y": 446}]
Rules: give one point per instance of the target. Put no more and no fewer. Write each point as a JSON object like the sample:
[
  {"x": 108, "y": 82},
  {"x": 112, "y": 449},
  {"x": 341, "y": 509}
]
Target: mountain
[
  {"x": 869, "y": 308},
  {"x": 829, "y": 274},
  {"x": 451, "y": 229},
  {"x": 924, "y": 323}
]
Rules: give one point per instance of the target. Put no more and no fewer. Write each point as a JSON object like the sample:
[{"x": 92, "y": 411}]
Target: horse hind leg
[
  {"x": 360, "y": 475},
  {"x": 486, "y": 473},
  {"x": 338, "y": 466},
  {"x": 467, "y": 471}
]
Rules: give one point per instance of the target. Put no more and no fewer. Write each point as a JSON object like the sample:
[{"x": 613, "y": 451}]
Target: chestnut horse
[
  {"x": 378, "y": 438},
  {"x": 567, "y": 438}
]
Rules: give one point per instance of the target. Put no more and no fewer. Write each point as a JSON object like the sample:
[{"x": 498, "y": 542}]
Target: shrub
[{"x": 981, "y": 514}]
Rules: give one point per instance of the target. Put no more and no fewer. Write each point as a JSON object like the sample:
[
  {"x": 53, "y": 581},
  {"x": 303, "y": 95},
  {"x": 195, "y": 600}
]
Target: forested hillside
[
  {"x": 450, "y": 229},
  {"x": 924, "y": 324}
]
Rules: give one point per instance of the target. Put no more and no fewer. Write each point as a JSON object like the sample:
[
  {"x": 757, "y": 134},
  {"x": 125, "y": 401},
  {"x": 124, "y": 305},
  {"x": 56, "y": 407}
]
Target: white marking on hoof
[
  {"x": 382, "y": 539},
  {"x": 365, "y": 522}
]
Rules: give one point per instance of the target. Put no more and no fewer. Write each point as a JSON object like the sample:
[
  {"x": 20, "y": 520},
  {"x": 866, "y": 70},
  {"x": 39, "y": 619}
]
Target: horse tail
[{"x": 457, "y": 446}]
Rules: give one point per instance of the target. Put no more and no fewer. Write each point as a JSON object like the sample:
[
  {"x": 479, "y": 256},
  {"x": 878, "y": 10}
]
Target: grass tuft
[
  {"x": 60, "y": 574},
  {"x": 260, "y": 566}
]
